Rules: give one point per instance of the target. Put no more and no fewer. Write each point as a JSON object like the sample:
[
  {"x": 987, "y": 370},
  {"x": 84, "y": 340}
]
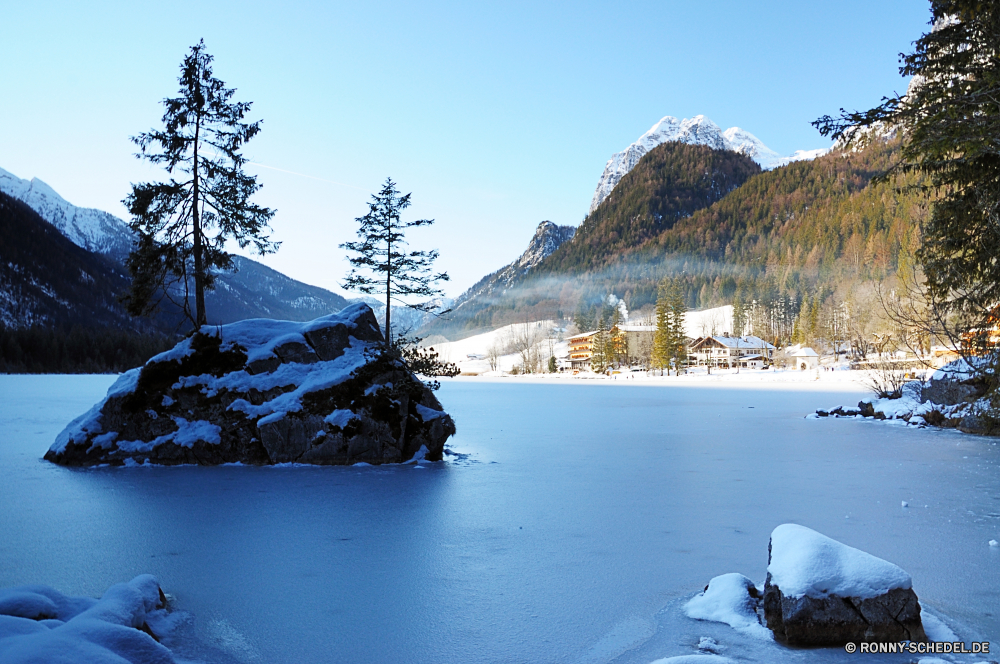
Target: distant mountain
[
  {"x": 671, "y": 182},
  {"x": 47, "y": 280},
  {"x": 94, "y": 230},
  {"x": 698, "y": 130},
  {"x": 463, "y": 319},
  {"x": 792, "y": 239},
  {"x": 253, "y": 291}
]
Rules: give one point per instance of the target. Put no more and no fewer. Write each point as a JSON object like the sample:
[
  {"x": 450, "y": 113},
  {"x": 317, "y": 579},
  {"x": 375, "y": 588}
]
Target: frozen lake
[{"x": 577, "y": 520}]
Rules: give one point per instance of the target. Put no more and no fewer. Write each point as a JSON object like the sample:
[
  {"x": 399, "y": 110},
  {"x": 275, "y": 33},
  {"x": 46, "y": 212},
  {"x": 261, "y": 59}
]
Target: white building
[
  {"x": 805, "y": 359},
  {"x": 727, "y": 351}
]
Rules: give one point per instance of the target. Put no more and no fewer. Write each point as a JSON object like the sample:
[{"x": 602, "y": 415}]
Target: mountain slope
[
  {"x": 464, "y": 318},
  {"x": 670, "y": 183},
  {"x": 698, "y": 130},
  {"x": 46, "y": 279},
  {"x": 792, "y": 234},
  {"x": 91, "y": 229},
  {"x": 252, "y": 291}
]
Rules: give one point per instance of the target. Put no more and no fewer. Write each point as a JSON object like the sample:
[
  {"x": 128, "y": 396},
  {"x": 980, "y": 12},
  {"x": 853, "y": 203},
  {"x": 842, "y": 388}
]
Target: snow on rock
[
  {"x": 731, "y": 599},
  {"x": 953, "y": 397},
  {"x": 698, "y": 130},
  {"x": 264, "y": 392},
  {"x": 39, "y": 624},
  {"x": 822, "y": 592},
  {"x": 805, "y": 563}
]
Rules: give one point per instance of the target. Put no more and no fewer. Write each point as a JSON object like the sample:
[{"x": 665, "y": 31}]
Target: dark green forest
[{"x": 77, "y": 349}]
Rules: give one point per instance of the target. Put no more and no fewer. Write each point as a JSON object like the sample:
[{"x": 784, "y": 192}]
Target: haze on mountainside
[{"x": 699, "y": 205}]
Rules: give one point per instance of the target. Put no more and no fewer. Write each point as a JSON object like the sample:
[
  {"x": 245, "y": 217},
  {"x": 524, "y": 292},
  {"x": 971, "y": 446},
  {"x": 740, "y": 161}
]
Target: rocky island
[{"x": 265, "y": 392}]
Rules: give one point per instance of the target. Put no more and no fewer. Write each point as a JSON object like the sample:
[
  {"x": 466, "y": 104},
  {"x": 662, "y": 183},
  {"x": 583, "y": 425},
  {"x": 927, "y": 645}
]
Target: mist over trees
[{"x": 794, "y": 236}]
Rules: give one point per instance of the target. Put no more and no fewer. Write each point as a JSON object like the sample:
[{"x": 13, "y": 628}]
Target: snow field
[{"x": 39, "y": 624}]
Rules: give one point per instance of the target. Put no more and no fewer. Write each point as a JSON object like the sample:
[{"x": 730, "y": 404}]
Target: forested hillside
[
  {"x": 787, "y": 238},
  {"x": 670, "y": 183}
]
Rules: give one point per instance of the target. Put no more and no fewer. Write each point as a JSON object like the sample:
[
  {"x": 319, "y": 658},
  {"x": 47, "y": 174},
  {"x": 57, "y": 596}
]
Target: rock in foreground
[
  {"x": 264, "y": 392},
  {"x": 39, "y": 624},
  {"x": 820, "y": 592}
]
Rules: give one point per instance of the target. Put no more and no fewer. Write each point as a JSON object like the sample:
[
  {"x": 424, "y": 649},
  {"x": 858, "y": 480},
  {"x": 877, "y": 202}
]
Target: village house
[
  {"x": 731, "y": 352},
  {"x": 581, "y": 348},
  {"x": 805, "y": 359}
]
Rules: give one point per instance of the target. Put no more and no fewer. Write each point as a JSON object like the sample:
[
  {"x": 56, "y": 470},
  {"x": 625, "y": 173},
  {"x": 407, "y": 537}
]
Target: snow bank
[
  {"x": 904, "y": 405},
  {"x": 39, "y": 624},
  {"x": 806, "y": 563},
  {"x": 727, "y": 600},
  {"x": 695, "y": 659}
]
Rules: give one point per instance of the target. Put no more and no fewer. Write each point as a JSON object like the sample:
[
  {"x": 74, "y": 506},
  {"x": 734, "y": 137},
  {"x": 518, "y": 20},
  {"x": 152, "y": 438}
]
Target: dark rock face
[
  {"x": 834, "y": 621},
  {"x": 948, "y": 392},
  {"x": 265, "y": 392}
]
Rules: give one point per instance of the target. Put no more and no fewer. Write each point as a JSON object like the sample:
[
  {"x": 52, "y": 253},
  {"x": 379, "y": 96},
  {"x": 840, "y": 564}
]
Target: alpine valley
[{"x": 730, "y": 219}]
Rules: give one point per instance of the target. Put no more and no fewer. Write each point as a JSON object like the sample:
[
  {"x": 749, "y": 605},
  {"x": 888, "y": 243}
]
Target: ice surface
[
  {"x": 577, "y": 521},
  {"x": 695, "y": 659},
  {"x": 806, "y": 563},
  {"x": 727, "y": 600}
]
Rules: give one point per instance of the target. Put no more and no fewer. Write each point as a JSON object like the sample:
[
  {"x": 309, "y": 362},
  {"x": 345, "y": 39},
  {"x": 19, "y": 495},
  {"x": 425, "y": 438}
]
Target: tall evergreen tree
[
  {"x": 382, "y": 265},
  {"x": 677, "y": 336},
  {"x": 599, "y": 348},
  {"x": 181, "y": 226},
  {"x": 661, "y": 338},
  {"x": 950, "y": 120}
]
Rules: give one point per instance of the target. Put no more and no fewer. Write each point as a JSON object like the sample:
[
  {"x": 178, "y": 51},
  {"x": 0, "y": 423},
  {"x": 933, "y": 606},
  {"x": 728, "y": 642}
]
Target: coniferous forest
[{"x": 791, "y": 241}]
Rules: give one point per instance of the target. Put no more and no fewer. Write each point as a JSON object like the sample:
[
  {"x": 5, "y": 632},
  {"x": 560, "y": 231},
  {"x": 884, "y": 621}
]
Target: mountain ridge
[
  {"x": 698, "y": 130},
  {"x": 252, "y": 291}
]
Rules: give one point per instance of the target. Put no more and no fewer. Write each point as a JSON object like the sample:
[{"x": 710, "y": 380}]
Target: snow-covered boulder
[
  {"x": 821, "y": 592},
  {"x": 732, "y": 599},
  {"x": 264, "y": 392},
  {"x": 39, "y": 624}
]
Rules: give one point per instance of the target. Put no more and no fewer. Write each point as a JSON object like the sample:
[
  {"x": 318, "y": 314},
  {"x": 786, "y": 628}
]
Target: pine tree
[
  {"x": 662, "y": 336},
  {"x": 677, "y": 336},
  {"x": 382, "y": 266},
  {"x": 950, "y": 120},
  {"x": 181, "y": 227},
  {"x": 599, "y": 348}
]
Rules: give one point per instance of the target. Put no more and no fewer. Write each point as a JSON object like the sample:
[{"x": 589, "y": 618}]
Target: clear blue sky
[{"x": 496, "y": 116}]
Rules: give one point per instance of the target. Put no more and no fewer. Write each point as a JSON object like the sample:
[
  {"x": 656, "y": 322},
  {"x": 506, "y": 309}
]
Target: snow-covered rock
[
  {"x": 698, "y": 130},
  {"x": 821, "y": 592},
  {"x": 953, "y": 397},
  {"x": 39, "y": 624},
  {"x": 731, "y": 599},
  {"x": 263, "y": 392}
]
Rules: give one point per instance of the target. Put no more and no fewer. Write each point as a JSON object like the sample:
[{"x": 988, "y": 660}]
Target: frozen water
[{"x": 572, "y": 524}]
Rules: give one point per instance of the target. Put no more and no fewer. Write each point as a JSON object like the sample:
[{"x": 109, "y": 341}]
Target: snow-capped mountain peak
[
  {"x": 94, "y": 230},
  {"x": 698, "y": 130}
]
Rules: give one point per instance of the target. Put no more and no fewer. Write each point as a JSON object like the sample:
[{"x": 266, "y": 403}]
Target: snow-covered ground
[
  {"x": 574, "y": 523},
  {"x": 471, "y": 354}
]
